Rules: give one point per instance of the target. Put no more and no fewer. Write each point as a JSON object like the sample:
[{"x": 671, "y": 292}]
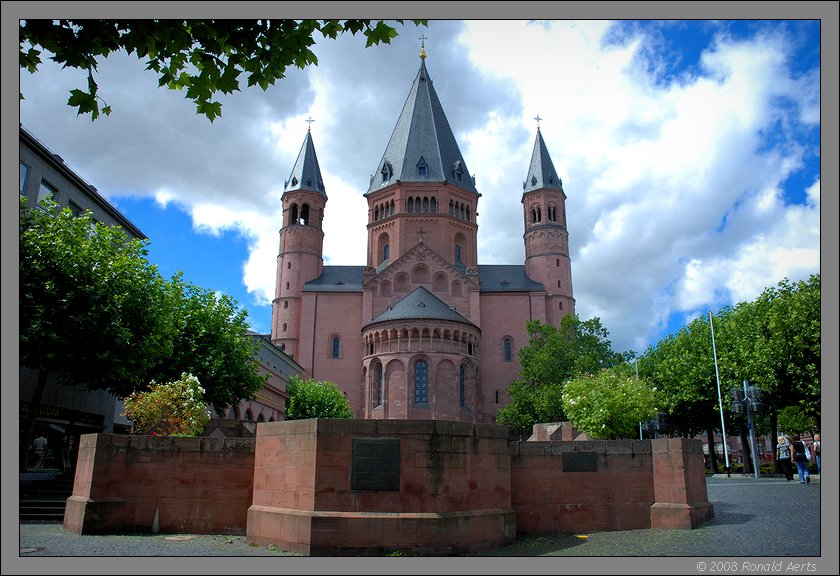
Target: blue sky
[{"x": 689, "y": 152}]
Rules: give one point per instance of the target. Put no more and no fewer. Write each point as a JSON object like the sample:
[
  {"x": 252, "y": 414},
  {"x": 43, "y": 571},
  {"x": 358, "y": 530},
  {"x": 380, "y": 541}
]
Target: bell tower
[
  {"x": 546, "y": 236},
  {"x": 300, "y": 258}
]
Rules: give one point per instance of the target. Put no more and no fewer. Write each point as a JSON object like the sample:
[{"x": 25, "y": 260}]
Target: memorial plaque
[
  {"x": 376, "y": 464},
  {"x": 580, "y": 462}
]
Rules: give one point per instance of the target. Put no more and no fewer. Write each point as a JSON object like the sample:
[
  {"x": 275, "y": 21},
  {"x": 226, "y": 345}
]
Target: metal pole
[
  {"x": 720, "y": 401},
  {"x": 748, "y": 402}
]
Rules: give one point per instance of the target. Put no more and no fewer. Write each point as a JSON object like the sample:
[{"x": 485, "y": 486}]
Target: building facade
[{"x": 421, "y": 330}]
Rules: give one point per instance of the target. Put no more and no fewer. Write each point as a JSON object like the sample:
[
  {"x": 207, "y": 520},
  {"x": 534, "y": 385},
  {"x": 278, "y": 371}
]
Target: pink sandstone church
[{"x": 422, "y": 331}]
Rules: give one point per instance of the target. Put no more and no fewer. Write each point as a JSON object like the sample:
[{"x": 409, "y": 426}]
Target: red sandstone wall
[
  {"x": 548, "y": 500},
  {"x": 453, "y": 496},
  {"x": 138, "y": 483},
  {"x": 638, "y": 484}
]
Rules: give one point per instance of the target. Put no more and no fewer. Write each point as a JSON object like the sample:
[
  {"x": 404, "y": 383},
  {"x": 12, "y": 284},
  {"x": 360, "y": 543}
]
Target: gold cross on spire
[
  {"x": 309, "y": 121},
  {"x": 422, "y": 39}
]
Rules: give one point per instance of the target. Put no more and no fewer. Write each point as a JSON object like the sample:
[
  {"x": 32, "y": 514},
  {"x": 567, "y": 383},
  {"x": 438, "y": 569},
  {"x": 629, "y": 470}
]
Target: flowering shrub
[{"x": 169, "y": 409}]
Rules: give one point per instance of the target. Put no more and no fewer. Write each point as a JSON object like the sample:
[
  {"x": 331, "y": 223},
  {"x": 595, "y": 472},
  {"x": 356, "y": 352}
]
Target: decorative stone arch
[
  {"x": 440, "y": 282},
  {"x": 401, "y": 282},
  {"x": 383, "y": 247},
  {"x": 420, "y": 274},
  {"x": 385, "y": 288}
]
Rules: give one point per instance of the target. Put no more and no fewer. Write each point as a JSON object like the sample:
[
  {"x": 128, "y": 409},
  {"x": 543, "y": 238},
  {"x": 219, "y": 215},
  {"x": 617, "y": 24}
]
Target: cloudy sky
[{"x": 689, "y": 153}]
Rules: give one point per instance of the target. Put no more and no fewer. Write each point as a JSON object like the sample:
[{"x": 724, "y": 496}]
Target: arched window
[
  {"x": 285, "y": 304},
  {"x": 304, "y": 214},
  {"x": 461, "y": 387},
  {"x": 421, "y": 382},
  {"x": 457, "y": 252},
  {"x": 507, "y": 345},
  {"x": 411, "y": 204},
  {"x": 284, "y": 326},
  {"x": 379, "y": 385},
  {"x": 249, "y": 416},
  {"x": 433, "y": 204},
  {"x": 260, "y": 418},
  {"x": 425, "y": 204},
  {"x": 386, "y": 251},
  {"x": 336, "y": 347},
  {"x": 294, "y": 218}
]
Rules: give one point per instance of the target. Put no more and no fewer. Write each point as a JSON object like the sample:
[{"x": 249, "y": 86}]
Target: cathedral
[{"x": 421, "y": 330}]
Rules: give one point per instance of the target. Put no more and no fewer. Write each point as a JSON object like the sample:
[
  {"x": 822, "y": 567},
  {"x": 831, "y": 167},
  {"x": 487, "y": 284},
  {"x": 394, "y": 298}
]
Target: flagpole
[{"x": 720, "y": 401}]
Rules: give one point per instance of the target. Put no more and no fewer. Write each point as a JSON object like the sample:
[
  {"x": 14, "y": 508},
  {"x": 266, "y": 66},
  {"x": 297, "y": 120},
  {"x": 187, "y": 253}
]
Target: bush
[{"x": 169, "y": 409}]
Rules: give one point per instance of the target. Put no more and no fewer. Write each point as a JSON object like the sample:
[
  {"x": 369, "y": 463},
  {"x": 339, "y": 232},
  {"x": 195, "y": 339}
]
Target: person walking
[
  {"x": 783, "y": 456},
  {"x": 815, "y": 450},
  {"x": 800, "y": 458},
  {"x": 39, "y": 446}
]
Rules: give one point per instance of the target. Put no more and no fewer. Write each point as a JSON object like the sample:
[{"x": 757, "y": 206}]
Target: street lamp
[{"x": 748, "y": 400}]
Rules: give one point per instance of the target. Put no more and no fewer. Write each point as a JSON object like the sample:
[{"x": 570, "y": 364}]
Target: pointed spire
[
  {"x": 541, "y": 172},
  {"x": 306, "y": 173},
  {"x": 422, "y": 147}
]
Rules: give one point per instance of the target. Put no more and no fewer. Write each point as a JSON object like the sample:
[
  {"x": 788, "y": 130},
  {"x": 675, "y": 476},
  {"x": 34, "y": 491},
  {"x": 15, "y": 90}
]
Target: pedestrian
[
  {"x": 39, "y": 446},
  {"x": 800, "y": 458},
  {"x": 815, "y": 450},
  {"x": 783, "y": 457}
]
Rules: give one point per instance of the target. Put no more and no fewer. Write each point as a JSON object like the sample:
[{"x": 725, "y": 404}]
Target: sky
[{"x": 689, "y": 152}]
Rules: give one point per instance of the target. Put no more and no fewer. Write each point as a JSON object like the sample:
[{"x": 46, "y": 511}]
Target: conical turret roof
[
  {"x": 541, "y": 172},
  {"x": 306, "y": 173},
  {"x": 422, "y": 147}
]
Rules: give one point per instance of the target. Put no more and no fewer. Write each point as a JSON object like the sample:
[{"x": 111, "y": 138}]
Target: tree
[
  {"x": 169, "y": 408},
  {"x": 315, "y": 399},
  {"x": 552, "y": 356},
  {"x": 93, "y": 310},
  {"x": 609, "y": 404},
  {"x": 204, "y": 57},
  {"x": 211, "y": 341}
]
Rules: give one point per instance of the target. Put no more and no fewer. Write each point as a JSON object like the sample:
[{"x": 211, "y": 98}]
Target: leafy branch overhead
[{"x": 203, "y": 57}]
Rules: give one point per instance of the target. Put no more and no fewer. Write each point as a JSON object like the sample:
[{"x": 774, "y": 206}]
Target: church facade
[{"x": 421, "y": 330}]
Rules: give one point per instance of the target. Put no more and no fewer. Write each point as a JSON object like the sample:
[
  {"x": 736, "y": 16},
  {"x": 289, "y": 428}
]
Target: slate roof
[
  {"x": 422, "y": 136},
  {"x": 506, "y": 278},
  {"x": 337, "y": 279},
  {"x": 306, "y": 173},
  {"x": 421, "y": 304},
  {"x": 493, "y": 277},
  {"x": 541, "y": 171}
]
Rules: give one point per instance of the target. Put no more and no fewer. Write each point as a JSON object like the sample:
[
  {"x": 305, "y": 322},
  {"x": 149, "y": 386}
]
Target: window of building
[
  {"x": 558, "y": 284},
  {"x": 497, "y": 396},
  {"x": 386, "y": 252},
  {"x": 284, "y": 326},
  {"x": 422, "y": 170},
  {"x": 421, "y": 382},
  {"x": 24, "y": 179},
  {"x": 249, "y": 415},
  {"x": 336, "y": 347},
  {"x": 75, "y": 209},
  {"x": 47, "y": 192},
  {"x": 457, "y": 252},
  {"x": 379, "y": 385},
  {"x": 507, "y": 346},
  {"x": 561, "y": 305},
  {"x": 461, "y": 387}
]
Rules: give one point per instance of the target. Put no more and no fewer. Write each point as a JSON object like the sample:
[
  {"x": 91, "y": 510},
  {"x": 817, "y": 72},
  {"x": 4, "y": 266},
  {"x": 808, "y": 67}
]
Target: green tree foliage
[
  {"x": 552, "y": 356},
  {"x": 203, "y": 57},
  {"x": 169, "y": 408},
  {"x": 609, "y": 404},
  {"x": 211, "y": 341},
  {"x": 772, "y": 342},
  {"x": 92, "y": 311},
  {"x": 315, "y": 399},
  {"x": 92, "y": 308},
  {"x": 793, "y": 421},
  {"x": 95, "y": 312}
]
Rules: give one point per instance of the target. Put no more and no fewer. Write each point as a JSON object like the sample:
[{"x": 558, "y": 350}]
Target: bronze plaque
[
  {"x": 376, "y": 464},
  {"x": 580, "y": 462}
]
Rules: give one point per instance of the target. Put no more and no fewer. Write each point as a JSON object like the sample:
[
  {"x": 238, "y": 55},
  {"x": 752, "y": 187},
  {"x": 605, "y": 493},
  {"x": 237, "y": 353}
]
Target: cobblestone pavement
[{"x": 758, "y": 523}]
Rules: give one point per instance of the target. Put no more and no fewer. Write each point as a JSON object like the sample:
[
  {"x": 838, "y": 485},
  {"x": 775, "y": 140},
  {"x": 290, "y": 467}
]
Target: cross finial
[
  {"x": 537, "y": 118},
  {"x": 309, "y": 121},
  {"x": 422, "y": 39},
  {"x": 420, "y": 233}
]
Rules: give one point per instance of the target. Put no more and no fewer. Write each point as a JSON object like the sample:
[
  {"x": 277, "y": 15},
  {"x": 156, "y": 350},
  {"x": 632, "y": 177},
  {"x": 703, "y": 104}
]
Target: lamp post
[
  {"x": 749, "y": 401},
  {"x": 720, "y": 400}
]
